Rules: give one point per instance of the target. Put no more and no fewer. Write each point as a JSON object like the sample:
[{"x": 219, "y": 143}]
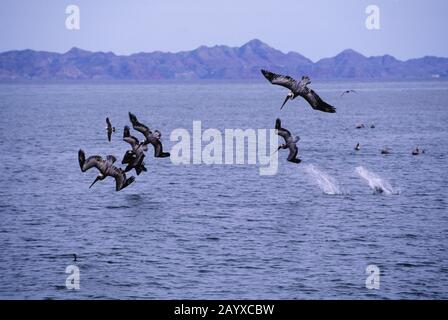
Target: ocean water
[{"x": 224, "y": 231}]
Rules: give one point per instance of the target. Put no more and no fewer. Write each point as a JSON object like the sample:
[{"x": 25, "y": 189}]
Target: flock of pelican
[{"x": 133, "y": 158}]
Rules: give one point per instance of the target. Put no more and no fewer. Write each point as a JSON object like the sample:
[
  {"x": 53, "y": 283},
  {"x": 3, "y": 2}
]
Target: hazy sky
[{"x": 315, "y": 28}]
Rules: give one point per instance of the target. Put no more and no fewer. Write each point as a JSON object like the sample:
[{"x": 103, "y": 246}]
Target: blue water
[{"x": 225, "y": 232}]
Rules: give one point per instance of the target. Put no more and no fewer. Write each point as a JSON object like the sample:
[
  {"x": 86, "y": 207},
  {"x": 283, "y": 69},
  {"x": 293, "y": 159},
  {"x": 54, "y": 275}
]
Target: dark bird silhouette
[
  {"x": 106, "y": 169},
  {"x": 360, "y": 126},
  {"x": 290, "y": 142},
  {"x": 151, "y": 137},
  {"x": 109, "y": 129},
  {"x": 348, "y": 91},
  {"x": 385, "y": 151},
  {"x": 134, "y": 158},
  {"x": 74, "y": 257},
  {"x": 358, "y": 147},
  {"x": 299, "y": 88},
  {"x": 417, "y": 151}
]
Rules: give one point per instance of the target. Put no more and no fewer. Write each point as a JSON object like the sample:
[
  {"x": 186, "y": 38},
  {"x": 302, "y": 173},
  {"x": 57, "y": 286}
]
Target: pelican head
[
  {"x": 289, "y": 96},
  {"x": 98, "y": 178}
]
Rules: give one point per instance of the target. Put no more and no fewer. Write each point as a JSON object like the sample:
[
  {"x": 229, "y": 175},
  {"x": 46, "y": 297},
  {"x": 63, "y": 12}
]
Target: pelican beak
[
  {"x": 97, "y": 178},
  {"x": 286, "y": 100}
]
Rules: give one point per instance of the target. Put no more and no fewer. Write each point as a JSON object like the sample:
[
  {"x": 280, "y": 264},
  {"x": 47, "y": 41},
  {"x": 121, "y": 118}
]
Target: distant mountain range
[{"x": 211, "y": 63}]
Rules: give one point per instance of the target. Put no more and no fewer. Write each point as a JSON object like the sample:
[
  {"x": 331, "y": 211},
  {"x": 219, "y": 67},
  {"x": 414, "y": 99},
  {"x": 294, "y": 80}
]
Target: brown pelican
[
  {"x": 106, "y": 168},
  {"x": 358, "y": 147},
  {"x": 109, "y": 129},
  {"x": 385, "y": 151},
  {"x": 151, "y": 137},
  {"x": 134, "y": 158},
  {"x": 372, "y": 126},
  {"x": 360, "y": 126},
  {"x": 299, "y": 88},
  {"x": 290, "y": 142},
  {"x": 348, "y": 91}
]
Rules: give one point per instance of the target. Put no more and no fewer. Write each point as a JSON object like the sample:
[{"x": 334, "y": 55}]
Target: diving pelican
[
  {"x": 106, "y": 168},
  {"x": 290, "y": 142},
  {"x": 299, "y": 88}
]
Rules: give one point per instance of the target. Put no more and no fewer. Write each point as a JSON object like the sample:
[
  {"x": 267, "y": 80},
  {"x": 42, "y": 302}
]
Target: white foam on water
[
  {"x": 375, "y": 182},
  {"x": 324, "y": 181}
]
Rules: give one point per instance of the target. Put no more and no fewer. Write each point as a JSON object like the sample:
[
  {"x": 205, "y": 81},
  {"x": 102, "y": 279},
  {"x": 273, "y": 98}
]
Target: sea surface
[{"x": 224, "y": 231}]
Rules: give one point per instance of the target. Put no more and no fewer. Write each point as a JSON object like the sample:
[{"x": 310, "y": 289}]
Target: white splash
[
  {"x": 376, "y": 183},
  {"x": 325, "y": 182}
]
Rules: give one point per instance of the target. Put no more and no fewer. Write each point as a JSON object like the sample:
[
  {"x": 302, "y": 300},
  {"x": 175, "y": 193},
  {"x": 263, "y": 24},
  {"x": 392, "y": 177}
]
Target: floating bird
[
  {"x": 74, "y": 257},
  {"x": 358, "y": 147},
  {"x": 109, "y": 129},
  {"x": 134, "y": 158},
  {"x": 417, "y": 151},
  {"x": 299, "y": 89},
  {"x": 290, "y": 142},
  {"x": 372, "y": 126},
  {"x": 151, "y": 137},
  {"x": 106, "y": 168},
  {"x": 385, "y": 151},
  {"x": 348, "y": 91},
  {"x": 360, "y": 126}
]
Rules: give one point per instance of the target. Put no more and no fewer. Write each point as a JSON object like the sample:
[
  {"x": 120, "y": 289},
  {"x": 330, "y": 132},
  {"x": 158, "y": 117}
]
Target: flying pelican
[
  {"x": 358, "y": 147},
  {"x": 134, "y": 158},
  {"x": 299, "y": 88},
  {"x": 290, "y": 142},
  {"x": 106, "y": 168},
  {"x": 348, "y": 91},
  {"x": 109, "y": 129},
  {"x": 151, "y": 137}
]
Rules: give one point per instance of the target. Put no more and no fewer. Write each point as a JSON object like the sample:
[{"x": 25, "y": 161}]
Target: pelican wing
[
  {"x": 133, "y": 141},
  {"x": 120, "y": 178},
  {"x": 109, "y": 125},
  {"x": 140, "y": 127},
  {"x": 316, "y": 102},
  {"x": 293, "y": 151},
  {"x": 282, "y": 132},
  {"x": 158, "y": 149},
  {"x": 111, "y": 159},
  {"x": 90, "y": 162},
  {"x": 278, "y": 79}
]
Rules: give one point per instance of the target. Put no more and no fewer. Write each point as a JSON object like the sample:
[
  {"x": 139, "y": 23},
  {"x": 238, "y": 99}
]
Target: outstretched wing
[
  {"x": 133, "y": 141},
  {"x": 109, "y": 125},
  {"x": 284, "y": 81},
  {"x": 140, "y": 127},
  {"x": 316, "y": 102},
  {"x": 90, "y": 162},
  {"x": 282, "y": 132}
]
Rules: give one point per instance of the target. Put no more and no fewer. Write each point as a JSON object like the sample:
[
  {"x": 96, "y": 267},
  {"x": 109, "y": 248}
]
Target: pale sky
[{"x": 314, "y": 28}]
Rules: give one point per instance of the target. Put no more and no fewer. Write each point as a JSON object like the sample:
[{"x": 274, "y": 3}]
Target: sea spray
[
  {"x": 375, "y": 182},
  {"x": 324, "y": 181}
]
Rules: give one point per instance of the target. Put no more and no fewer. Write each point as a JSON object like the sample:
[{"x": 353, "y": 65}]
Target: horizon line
[{"x": 255, "y": 40}]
